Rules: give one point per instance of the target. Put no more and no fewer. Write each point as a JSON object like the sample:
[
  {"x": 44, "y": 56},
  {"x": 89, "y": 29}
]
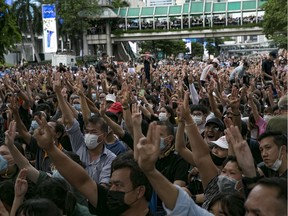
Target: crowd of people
[{"x": 173, "y": 137}]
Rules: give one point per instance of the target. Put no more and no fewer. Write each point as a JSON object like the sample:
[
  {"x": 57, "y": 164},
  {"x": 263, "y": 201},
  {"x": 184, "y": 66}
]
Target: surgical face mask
[
  {"x": 227, "y": 184},
  {"x": 3, "y": 163},
  {"x": 56, "y": 174},
  {"x": 91, "y": 141},
  {"x": 278, "y": 162},
  {"x": 34, "y": 124},
  {"x": 116, "y": 203},
  {"x": 162, "y": 116},
  {"x": 267, "y": 117},
  {"x": 197, "y": 119},
  {"x": 162, "y": 144},
  {"x": 93, "y": 96},
  {"x": 77, "y": 107}
]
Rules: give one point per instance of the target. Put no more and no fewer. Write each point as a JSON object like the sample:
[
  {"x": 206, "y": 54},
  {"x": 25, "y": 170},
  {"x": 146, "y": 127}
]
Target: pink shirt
[{"x": 261, "y": 123}]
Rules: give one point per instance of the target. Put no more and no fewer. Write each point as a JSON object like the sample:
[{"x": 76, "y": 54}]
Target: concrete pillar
[
  {"x": 85, "y": 43},
  {"x": 108, "y": 39}
]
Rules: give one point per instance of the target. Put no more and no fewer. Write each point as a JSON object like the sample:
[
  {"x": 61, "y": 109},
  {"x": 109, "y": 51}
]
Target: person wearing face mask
[
  {"x": 170, "y": 164},
  {"x": 199, "y": 114},
  {"x": 90, "y": 147},
  {"x": 167, "y": 114},
  {"x": 273, "y": 148}
]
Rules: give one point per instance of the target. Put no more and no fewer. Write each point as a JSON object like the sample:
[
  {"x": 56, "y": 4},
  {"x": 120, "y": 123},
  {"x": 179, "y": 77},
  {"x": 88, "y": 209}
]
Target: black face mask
[
  {"x": 115, "y": 202},
  {"x": 217, "y": 160},
  {"x": 174, "y": 105}
]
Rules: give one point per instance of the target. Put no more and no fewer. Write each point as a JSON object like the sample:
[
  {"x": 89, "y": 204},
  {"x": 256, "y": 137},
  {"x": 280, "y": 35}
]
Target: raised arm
[
  {"x": 200, "y": 149},
  {"x": 20, "y": 160},
  {"x": 79, "y": 178},
  {"x": 66, "y": 112},
  {"x": 180, "y": 144},
  {"x": 137, "y": 130},
  {"x": 23, "y": 132},
  {"x": 252, "y": 104}
]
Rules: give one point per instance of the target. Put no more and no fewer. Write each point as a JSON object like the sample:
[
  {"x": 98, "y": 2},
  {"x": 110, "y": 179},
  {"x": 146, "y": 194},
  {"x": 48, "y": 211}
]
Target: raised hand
[
  {"x": 44, "y": 134},
  {"x": 148, "y": 149},
  {"x": 184, "y": 109},
  {"x": 242, "y": 151},
  {"x": 21, "y": 185},
  {"x": 102, "y": 110},
  {"x": 136, "y": 115},
  {"x": 10, "y": 134},
  {"x": 57, "y": 83}
]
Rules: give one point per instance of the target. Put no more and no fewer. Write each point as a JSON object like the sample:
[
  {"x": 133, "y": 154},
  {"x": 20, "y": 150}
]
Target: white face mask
[
  {"x": 267, "y": 117},
  {"x": 91, "y": 141},
  {"x": 197, "y": 119},
  {"x": 162, "y": 144},
  {"x": 162, "y": 116},
  {"x": 93, "y": 96},
  {"x": 278, "y": 162}
]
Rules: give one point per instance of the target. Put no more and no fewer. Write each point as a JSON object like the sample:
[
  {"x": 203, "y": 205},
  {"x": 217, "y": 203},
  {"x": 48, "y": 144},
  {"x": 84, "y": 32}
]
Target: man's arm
[{"x": 79, "y": 177}]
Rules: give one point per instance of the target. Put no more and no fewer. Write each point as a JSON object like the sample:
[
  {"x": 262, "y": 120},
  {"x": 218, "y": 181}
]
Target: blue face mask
[
  {"x": 77, "y": 107},
  {"x": 56, "y": 174},
  {"x": 34, "y": 124},
  {"x": 162, "y": 144},
  {"x": 3, "y": 163}
]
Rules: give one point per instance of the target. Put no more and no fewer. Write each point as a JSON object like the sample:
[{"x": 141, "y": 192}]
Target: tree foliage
[
  {"x": 212, "y": 46},
  {"x": 9, "y": 31},
  {"x": 275, "y": 21},
  {"x": 120, "y": 3},
  {"x": 168, "y": 47},
  {"x": 197, "y": 49}
]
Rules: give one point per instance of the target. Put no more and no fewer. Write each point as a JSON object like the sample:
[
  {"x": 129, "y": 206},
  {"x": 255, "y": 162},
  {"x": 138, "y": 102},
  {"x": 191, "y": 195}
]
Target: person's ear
[
  {"x": 170, "y": 138},
  {"x": 141, "y": 191}
]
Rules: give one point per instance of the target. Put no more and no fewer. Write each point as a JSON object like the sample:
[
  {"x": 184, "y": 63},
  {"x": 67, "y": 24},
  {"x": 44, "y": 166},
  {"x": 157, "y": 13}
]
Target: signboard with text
[{"x": 49, "y": 28}]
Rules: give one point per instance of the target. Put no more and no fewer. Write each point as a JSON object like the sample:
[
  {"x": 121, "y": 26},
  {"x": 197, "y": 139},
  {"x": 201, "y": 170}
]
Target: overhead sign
[{"x": 49, "y": 29}]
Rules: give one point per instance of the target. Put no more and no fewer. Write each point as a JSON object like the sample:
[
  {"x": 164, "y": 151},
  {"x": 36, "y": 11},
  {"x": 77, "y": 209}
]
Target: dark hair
[
  {"x": 169, "y": 127},
  {"x": 171, "y": 112},
  {"x": 231, "y": 158},
  {"x": 75, "y": 157},
  {"x": 36, "y": 207},
  {"x": 231, "y": 203},
  {"x": 112, "y": 116},
  {"x": 98, "y": 120},
  {"x": 278, "y": 138},
  {"x": 199, "y": 107},
  {"x": 59, "y": 128},
  {"x": 137, "y": 177},
  {"x": 7, "y": 193},
  {"x": 58, "y": 191},
  {"x": 278, "y": 183}
]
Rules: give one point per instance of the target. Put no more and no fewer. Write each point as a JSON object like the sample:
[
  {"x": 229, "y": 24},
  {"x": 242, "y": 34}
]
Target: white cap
[
  {"x": 215, "y": 60},
  {"x": 221, "y": 142},
  {"x": 111, "y": 97}
]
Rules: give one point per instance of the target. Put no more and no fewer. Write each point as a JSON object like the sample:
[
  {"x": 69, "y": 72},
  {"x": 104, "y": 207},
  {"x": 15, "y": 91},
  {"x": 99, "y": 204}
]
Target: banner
[{"x": 50, "y": 41}]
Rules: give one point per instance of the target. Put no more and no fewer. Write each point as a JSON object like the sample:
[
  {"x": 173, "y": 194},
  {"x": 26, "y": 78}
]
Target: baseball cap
[
  {"x": 111, "y": 97},
  {"x": 216, "y": 121},
  {"x": 215, "y": 60},
  {"x": 221, "y": 142},
  {"x": 115, "y": 108}
]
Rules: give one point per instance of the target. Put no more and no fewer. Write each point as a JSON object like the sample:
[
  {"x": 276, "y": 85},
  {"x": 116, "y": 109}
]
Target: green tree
[
  {"x": 9, "y": 32},
  {"x": 168, "y": 47},
  {"x": 120, "y": 3},
  {"x": 275, "y": 21},
  {"x": 29, "y": 19},
  {"x": 212, "y": 45},
  {"x": 197, "y": 49}
]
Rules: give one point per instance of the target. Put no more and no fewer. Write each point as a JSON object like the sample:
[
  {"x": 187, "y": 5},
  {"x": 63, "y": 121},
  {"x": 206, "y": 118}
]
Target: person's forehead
[
  {"x": 231, "y": 165},
  {"x": 121, "y": 175},
  {"x": 91, "y": 126},
  {"x": 266, "y": 140},
  {"x": 4, "y": 150}
]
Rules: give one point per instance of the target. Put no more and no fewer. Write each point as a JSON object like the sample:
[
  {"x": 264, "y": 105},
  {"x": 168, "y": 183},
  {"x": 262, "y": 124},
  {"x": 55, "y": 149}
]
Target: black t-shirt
[
  {"x": 267, "y": 67},
  {"x": 102, "y": 207},
  {"x": 269, "y": 172}
]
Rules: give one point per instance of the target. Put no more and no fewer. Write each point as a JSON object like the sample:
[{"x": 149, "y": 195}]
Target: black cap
[{"x": 216, "y": 121}]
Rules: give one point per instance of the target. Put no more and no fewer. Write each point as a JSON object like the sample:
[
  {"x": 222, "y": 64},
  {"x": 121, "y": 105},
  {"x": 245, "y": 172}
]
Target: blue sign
[
  {"x": 48, "y": 11},
  {"x": 9, "y": 2}
]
